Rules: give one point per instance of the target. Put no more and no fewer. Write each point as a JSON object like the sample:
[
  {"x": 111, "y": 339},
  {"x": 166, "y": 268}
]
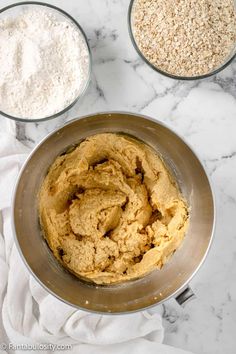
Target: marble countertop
[{"x": 204, "y": 112}]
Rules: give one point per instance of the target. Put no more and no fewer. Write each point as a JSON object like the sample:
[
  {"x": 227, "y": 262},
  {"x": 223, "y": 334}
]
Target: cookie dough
[{"x": 110, "y": 210}]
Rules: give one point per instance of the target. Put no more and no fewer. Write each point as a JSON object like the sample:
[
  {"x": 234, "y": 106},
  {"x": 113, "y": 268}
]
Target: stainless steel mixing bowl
[{"x": 152, "y": 289}]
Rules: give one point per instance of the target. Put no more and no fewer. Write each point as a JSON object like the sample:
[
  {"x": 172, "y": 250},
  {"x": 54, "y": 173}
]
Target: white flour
[{"x": 44, "y": 64}]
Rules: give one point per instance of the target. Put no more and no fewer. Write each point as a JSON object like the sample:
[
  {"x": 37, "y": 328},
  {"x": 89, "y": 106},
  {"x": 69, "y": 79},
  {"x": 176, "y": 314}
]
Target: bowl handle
[{"x": 185, "y": 296}]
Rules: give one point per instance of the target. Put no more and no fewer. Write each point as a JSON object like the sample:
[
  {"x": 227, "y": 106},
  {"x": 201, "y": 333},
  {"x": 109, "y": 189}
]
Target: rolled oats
[{"x": 185, "y": 37}]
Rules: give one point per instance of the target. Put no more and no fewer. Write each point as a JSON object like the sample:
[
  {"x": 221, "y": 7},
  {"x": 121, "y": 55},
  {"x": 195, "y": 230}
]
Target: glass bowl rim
[
  {"x": 78, "y": 26},
  {"x": 162, "y": 72}
]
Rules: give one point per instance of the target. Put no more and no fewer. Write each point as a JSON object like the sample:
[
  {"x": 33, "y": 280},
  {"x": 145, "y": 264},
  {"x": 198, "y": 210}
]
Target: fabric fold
[{"x": 32, "y": 316}]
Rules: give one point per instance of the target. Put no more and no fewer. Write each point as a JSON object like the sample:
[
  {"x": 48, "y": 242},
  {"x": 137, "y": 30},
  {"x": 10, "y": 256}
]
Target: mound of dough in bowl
[{"x": 110, "y": 210}]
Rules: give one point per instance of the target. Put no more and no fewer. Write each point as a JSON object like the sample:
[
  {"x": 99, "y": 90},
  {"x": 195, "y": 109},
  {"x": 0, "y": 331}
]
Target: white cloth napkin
[{"x": 29, "y": 315}]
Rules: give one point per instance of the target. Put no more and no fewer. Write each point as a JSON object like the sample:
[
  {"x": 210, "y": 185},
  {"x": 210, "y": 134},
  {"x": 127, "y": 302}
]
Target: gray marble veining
[{"x": 204, "y": 113}]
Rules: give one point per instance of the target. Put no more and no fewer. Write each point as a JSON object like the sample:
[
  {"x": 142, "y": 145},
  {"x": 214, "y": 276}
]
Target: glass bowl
[
  {"x": 227, "y": 61},
  {"x": 15, "y": 9}
]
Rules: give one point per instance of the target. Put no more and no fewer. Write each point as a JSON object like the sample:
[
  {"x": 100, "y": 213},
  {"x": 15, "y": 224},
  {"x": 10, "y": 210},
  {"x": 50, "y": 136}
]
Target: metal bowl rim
[{"x": 174, "y": 294}]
